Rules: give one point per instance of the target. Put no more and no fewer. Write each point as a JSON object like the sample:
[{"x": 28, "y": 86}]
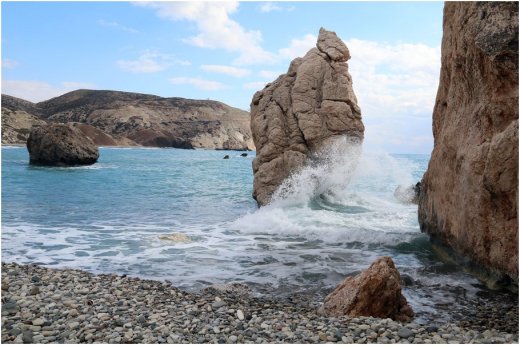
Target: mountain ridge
[{"x": 135, "y": 119}]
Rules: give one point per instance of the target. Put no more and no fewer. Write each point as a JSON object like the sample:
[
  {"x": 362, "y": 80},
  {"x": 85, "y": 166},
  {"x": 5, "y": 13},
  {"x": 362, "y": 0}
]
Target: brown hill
[{"x": 147, "y": 120}]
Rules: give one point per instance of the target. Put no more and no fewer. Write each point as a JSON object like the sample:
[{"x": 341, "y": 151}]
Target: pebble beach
[{"x": 43, "y": 305}]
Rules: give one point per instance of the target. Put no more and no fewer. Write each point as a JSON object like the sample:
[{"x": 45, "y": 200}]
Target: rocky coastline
[{"x": 43, "y": 305}]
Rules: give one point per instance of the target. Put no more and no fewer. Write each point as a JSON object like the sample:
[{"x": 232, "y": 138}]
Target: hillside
[{"x": 132, "y": 118}]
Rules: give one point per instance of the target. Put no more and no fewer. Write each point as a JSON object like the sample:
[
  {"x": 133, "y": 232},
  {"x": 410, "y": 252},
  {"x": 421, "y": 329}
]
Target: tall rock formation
[
  {"x": 302, "y": 111},
  {"x": 469, "y": 193}
]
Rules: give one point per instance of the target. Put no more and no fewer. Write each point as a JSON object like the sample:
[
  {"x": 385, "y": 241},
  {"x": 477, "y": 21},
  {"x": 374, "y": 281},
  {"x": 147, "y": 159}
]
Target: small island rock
[{"x": 60, "y": 145}]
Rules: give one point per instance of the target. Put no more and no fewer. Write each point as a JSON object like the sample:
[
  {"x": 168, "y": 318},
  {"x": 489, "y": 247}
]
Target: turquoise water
[{"x": 109, "y": 217}]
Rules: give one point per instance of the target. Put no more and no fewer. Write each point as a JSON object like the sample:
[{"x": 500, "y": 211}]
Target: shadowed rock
[
  {"x": 301, "y": 112},
  {"x": 60, "y": 145}
]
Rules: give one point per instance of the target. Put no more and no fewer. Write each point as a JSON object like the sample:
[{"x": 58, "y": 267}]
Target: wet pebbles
[{"x": 41, "y": 305}]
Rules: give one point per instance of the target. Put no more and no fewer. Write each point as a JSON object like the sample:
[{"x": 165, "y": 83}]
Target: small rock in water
[
  {"x": 176, "y": 237},
  {"x": 226, "y": 157},
  {"x": 243, "y": 155}
]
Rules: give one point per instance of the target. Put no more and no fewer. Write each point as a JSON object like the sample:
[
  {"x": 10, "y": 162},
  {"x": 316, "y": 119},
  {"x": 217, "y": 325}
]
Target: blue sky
[{"x": 227, "y": 51}]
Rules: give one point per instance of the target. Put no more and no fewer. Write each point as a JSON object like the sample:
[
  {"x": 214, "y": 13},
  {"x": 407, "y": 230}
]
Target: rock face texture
[
  {"x": 375, "y": 292},
  {"x": 124, "y": 118},
  {"x": 60, "y": 145},
  {"x": 469, "y": 193},
  {"x": 302, "y": 111}
]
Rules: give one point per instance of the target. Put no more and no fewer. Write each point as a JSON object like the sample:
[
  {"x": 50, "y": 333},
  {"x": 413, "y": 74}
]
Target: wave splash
[
  {"x": 344, "y": 196},
  {"x": 329, "y": 170}
]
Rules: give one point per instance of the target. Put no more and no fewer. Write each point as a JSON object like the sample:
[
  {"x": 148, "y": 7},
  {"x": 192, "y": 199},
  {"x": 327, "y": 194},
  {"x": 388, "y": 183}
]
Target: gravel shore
[{"x": 42, "y": 305}]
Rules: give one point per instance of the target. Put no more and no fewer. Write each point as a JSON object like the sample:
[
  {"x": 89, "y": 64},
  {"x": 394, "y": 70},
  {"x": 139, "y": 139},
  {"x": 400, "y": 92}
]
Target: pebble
[
  {"x": 404, "y": 332},
  {"x": 431, "y": 329},
  {"x": 218, "y": 304},
  {"x": 38, "y": 322},
  {"x": 240, "y": 315},
  {"x": 27, "y": 337}
]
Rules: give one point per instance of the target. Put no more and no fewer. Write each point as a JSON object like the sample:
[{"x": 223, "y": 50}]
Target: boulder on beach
[
  {"x": 469, "y": 194},
  {"x": 375, "y": 292},
  {"x": 60, "y": 145},
  {"x": 301, "y": 112}
]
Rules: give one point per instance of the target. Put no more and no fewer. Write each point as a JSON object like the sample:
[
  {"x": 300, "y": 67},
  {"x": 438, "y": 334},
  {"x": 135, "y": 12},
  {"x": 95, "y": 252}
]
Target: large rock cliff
[
  {"x": 469, "y": 193},
  {"x": 302, "y": 111},
  {"x": 124, "y": 118}
]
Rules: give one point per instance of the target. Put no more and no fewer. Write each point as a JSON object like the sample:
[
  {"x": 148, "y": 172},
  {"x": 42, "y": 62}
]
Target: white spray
[{"x": 328, "y": 170}]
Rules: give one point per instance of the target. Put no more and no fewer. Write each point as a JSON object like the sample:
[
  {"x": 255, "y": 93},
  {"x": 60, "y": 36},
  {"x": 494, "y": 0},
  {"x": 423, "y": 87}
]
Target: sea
[{"x": 115, "y": 217}]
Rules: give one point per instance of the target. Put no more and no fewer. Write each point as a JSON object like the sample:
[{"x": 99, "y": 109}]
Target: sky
[{"x": 226, "y": 51}]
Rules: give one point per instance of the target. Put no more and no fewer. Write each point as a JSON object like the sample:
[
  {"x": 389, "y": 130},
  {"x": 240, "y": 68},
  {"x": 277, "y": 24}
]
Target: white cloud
[
  {"x": 269, "y": 74},
  {"x": 298, "y": 47},
  {"x": 117, "y": 26},
  {"x": 202, "y": 84},
  {"x": 216, "y": 29},
  {"x": 394, "y": 80},
  {"x": 267, "y": 7},
  {"x": 37, "y": 91},
  {"x": 150, "y": 62},
  {"x": 8, "y": 63},
  {"x": 228, "y": 70},
  {"x": 256, "y": 85}
]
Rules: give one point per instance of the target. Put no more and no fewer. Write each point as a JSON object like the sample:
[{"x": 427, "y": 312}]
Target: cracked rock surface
[{"x": 301, "y": 111}]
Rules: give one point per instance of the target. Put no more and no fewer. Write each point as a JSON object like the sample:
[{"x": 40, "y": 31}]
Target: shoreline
[{"x": 46, "y": 305}]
